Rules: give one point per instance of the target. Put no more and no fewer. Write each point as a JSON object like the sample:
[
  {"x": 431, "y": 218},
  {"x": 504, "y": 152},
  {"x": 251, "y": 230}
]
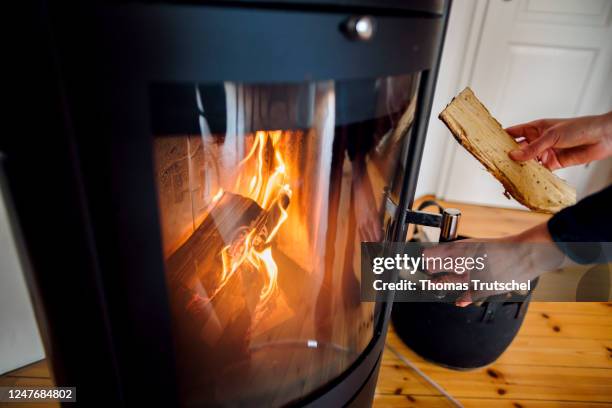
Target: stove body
[{"x": 211, "y": 169}]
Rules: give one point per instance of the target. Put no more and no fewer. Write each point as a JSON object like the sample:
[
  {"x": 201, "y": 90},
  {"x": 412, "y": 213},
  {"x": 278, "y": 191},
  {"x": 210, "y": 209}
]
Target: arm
[
  {"x": 556, "y": 143},
  {"x": 561, "y": 143}
]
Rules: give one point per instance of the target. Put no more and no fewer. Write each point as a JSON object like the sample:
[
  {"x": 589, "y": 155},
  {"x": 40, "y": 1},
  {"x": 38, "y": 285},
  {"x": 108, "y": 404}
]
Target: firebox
[{"x": 212, "y": 168}]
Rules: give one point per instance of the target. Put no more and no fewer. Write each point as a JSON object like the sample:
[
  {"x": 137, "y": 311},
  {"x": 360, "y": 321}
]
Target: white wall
[
  {"x": 20, "y": 342},
  {"x": 463, "y": 27}
]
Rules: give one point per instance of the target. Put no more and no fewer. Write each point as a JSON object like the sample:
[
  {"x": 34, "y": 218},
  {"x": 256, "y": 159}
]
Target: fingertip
[
  {"x": 517, "y": 154},
  {"x": 552, "y": 166},
  {"x": 513, "y": 129},
  {"x": 464, "y": 300}
]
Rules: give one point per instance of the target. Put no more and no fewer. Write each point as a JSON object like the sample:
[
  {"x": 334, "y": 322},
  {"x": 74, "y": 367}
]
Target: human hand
[
  {"x": 559, "y": 143},
  {"x": 517, "y": 257}
]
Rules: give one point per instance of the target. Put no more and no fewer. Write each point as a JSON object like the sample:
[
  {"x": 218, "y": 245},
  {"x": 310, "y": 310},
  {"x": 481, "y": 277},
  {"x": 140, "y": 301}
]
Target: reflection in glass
[{"x": 265, "y": 192}]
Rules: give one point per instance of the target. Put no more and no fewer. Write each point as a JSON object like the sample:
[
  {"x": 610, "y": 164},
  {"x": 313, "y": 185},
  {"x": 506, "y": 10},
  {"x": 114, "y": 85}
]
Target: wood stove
[{"x": 212, "y": 168}]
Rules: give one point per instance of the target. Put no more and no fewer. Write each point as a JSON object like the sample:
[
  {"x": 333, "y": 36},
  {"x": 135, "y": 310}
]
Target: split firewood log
[
  {"x": 205, "y": 301},
  {"x": 227, "y": 224},
  {"x": 199, "y": 257},
  {"x": 530, "y": 183}
]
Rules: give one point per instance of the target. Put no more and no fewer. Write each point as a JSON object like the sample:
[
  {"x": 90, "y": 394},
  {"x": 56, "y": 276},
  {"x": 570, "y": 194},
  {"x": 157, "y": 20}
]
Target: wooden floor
[
  {"x": 562, "y": 356},
  {"x": 33, "y": 375}
]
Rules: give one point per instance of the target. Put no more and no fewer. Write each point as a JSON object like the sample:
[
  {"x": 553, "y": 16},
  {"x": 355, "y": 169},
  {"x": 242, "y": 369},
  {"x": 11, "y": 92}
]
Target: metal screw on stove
[{"x": 360, "y": 28}]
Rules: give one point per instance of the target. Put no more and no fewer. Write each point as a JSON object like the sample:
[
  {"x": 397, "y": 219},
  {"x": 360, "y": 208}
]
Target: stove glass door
[{"x": 265, "y": 192}]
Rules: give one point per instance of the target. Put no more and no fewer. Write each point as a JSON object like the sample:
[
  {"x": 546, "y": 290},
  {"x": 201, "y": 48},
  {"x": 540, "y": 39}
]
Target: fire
[
  {"x": 217, "y": 196},
  {"x": 269, "y": 188}
]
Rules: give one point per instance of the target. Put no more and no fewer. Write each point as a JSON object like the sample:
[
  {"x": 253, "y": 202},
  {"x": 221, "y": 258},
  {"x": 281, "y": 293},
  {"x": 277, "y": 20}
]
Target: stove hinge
[{"x": 447, "y": 219}]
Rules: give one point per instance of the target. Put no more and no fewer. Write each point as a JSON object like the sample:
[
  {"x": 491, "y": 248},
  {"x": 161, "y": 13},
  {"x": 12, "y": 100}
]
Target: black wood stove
[{"x": 208, "y": 170}]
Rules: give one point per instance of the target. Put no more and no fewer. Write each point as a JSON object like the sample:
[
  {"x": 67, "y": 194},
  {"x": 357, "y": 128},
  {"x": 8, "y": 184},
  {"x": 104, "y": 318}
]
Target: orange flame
[
  {"x": 272, "y": 192},
  {"x": 217, "y": 196}
]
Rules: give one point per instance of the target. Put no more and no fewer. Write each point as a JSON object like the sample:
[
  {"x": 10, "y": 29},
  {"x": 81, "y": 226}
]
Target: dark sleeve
[{"x": 590, "y": 220}]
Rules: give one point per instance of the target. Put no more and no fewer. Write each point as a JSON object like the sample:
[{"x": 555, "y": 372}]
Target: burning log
[
  {"x": 198, "y": 258},
  {"x": 223, "y": 278},
  {"x": 231, "y": 219},
  {"x": 206, "y": 284}
]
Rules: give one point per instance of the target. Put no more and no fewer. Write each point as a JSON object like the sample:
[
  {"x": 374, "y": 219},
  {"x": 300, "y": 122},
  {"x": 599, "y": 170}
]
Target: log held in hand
[{"x": 530, "y": 183}]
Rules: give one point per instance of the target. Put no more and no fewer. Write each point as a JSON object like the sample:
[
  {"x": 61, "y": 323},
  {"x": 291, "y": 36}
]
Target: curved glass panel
[{"x": 265, "y": 192}]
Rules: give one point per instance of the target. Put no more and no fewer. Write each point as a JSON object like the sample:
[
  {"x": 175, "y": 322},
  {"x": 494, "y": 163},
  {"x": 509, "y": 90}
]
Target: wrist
[
  {"x": 605, "y": 127},
  {"x": 539, "y": 233},
  {"x": 532, "y": 257}
]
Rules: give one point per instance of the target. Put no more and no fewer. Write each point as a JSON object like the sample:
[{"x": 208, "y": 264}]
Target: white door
[{"x": 537, "y": 59}]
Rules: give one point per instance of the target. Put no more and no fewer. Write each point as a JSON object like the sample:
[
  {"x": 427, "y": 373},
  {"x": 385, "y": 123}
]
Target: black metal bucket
[{"x": 459, "y": 337}]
